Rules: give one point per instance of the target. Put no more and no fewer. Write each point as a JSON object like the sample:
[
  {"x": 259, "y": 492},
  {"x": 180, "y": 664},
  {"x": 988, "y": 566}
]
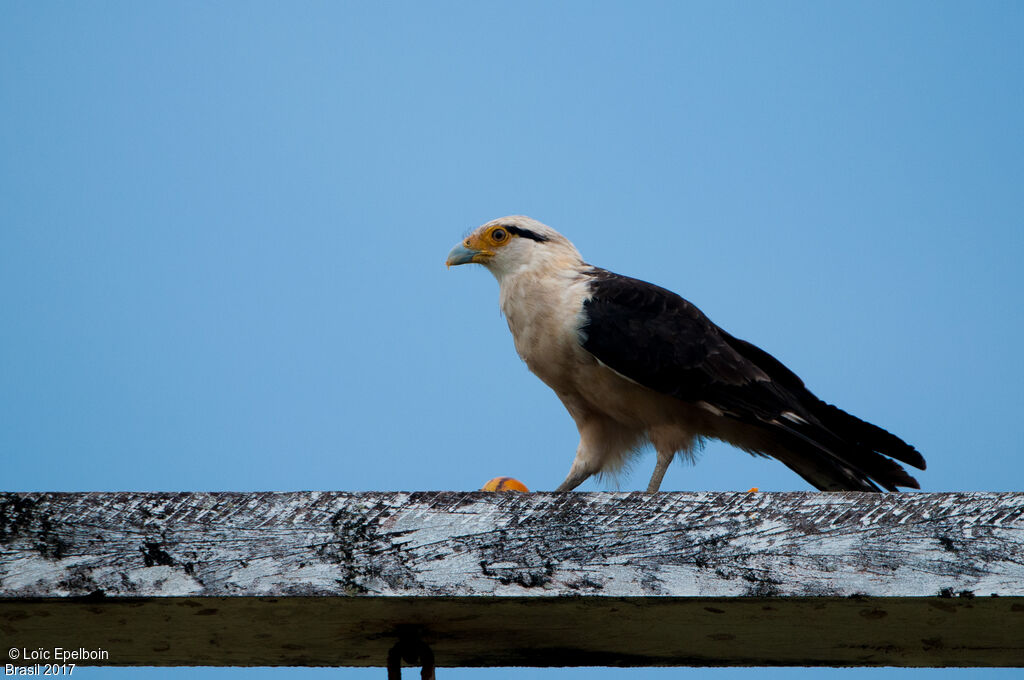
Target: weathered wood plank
[
  {"x": 504, "y": 631},
  {"x": 509, "y": 579}
]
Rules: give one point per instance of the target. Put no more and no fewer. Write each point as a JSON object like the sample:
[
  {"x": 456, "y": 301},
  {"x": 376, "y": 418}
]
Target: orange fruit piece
[{"x": 505, "y": 484}]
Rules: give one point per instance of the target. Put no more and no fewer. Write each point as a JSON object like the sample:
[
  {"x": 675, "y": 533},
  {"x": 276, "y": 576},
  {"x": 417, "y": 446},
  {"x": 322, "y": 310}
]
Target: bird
[{"x": 635, "y": 364}]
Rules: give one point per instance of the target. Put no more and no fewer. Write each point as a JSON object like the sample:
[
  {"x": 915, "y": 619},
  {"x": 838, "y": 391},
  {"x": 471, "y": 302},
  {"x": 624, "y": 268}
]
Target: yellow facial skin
[{"x": 480, "y": 247}]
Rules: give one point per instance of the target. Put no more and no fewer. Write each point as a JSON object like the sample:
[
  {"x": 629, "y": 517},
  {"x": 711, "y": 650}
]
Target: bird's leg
[
  {"x": 579, "y": 472},
  {"x": 665, "y": 457},
  {"x": 577, "y": 475}
]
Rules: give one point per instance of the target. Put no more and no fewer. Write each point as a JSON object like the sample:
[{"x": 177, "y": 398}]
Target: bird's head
[{"x": 510, "y": 243}]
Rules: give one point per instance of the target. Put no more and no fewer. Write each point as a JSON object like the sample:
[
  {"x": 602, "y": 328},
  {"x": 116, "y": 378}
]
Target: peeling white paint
[
  {"x": 451, "y": 543},
  {"x": 162, "y": 580},
  {"x": 25, "y": 571}
]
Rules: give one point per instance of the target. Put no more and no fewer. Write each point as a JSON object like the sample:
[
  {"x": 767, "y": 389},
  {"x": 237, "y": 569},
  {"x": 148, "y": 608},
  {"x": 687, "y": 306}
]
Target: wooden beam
[{"x": 547, "y": 579}]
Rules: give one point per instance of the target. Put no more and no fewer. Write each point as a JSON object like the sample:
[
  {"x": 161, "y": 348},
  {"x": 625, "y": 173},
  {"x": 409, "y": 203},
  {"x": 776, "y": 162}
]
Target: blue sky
[{"x": 223, "y": 227}]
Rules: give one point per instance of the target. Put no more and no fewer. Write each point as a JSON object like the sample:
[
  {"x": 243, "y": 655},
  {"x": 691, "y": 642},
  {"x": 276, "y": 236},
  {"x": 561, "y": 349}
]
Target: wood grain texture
[{"x": 518, "y": 579}]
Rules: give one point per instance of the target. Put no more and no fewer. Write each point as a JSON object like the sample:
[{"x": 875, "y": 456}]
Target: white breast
[{"x": 544, "y": 313}]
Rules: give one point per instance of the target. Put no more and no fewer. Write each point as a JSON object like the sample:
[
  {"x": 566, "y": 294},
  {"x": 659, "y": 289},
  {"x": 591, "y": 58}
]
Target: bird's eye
[{"x": 499, "y": 235}]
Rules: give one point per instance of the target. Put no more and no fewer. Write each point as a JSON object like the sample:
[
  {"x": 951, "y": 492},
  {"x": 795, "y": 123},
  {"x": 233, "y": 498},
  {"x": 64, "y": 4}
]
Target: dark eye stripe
[{"x": 526, "y": 233}]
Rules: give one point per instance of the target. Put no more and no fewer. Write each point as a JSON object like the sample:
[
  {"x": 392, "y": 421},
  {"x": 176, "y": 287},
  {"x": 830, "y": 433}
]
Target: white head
[{"x": 513, "y": 243}]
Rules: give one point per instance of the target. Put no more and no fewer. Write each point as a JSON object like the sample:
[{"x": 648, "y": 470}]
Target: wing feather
[{"x": 661, "y": 341}]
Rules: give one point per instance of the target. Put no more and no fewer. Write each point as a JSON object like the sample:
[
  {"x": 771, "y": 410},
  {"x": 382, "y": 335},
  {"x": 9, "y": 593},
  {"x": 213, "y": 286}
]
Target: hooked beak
[{"x": 462, "y": 255}]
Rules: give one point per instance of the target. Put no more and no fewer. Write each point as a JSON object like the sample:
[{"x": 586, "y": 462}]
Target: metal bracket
[{"x": 414, "y": 651}]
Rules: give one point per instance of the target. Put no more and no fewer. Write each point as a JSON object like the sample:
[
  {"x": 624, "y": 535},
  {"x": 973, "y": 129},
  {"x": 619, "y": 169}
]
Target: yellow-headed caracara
[{"x": 635, "y": 363}]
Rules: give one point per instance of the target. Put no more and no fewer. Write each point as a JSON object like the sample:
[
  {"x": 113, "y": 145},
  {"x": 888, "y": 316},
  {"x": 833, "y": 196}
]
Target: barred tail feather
[
  {"x": 855, "y": 431},
  {"x": 844, "y": 452}
]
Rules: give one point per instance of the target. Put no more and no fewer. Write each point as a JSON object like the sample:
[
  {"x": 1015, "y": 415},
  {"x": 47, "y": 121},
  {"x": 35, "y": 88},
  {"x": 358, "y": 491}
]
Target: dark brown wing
[{"x": 656, "y": 338}]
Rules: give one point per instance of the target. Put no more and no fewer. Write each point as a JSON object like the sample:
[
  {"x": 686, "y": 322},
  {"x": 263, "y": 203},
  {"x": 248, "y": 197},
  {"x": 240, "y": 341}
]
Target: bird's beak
[{"x": 461, "y": 255}]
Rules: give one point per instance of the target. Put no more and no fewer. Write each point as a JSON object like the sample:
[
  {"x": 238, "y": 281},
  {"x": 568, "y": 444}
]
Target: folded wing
[{"x": 659, "y": 340}]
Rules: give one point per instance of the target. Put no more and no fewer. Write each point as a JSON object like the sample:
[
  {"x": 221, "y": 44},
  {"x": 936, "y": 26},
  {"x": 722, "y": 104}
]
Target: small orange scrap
[
  {"x": 505, "y": 484},
  {"x": 754, "y": 490}
]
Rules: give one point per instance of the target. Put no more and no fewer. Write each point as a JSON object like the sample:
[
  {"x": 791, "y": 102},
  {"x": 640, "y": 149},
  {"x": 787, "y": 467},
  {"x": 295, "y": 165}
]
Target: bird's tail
[{"x": 842, "y": 452}]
